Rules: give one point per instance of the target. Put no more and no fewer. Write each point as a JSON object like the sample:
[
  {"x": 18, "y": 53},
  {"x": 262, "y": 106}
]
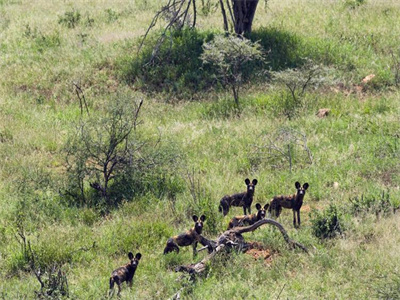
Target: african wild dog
[
  {"x": 125, "y": 273},
  {"x": 242, "y": 199},
  {"x": 190, "y": 237},
  {"x": 249, "y": 219},
  {"x": 294, "y": 202}
]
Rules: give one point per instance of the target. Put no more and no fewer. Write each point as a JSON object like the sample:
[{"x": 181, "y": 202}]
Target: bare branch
[
  {"x": 137, "y": 114},
  {"x": 221, "y": 2},
  {"x": 194, "y": 14},
  {"x": 82, "y": 99},
  {"x": 233, "y": 238},
  {"x": 230, "y": 12}
]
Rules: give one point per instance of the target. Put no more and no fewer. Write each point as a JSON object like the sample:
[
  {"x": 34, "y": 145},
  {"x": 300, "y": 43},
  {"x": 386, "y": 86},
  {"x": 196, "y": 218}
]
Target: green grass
[{"x": 357, "y": 146}]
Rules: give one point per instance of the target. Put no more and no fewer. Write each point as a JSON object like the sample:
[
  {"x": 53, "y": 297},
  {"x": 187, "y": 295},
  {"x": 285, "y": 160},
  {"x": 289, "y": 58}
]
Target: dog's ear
[
  {"x": 195, "y": 218},
  {"x": 138, "y": 256},
  {"x": 305, "y": 186},
  {"x": 258, "y": 206},
  {"x": 266, "y": 206},
  {"x": 247, "y": 181},
  {"x": 130, "y": 255},
  {"x": 297, "y": 185},
  {"x": 202, "y": 218},
  {"x": 255, "y": 181}
]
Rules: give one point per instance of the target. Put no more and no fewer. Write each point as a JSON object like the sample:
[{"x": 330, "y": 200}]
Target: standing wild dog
[
  {"x": 190, "y": 237},
  {"x": 125, "y": 273},
  {"x": 294, "y": 202},
  {"x": 249, "y": 219},
  {"x": 242, "y": 199}
]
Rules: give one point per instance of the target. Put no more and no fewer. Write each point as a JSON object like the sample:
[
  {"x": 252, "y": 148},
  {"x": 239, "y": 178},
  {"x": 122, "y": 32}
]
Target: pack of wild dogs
[{"x": 193, "y": 236}]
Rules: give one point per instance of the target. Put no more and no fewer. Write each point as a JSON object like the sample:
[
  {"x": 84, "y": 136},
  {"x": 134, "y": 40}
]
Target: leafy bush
[
  {"x": 230, "y": 55},
  {"x": 176, "y": 68},
  {"x": 297, "y": 81},
  {"x": 70, "y": 19},
  {"x": 380, "y": 205},
  {"x": 326, "y": 224},
  {"x": 109, "y": 159}
]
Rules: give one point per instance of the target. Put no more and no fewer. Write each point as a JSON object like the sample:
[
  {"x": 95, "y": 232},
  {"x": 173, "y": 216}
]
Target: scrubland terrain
[{"x": 191, "y": 147}]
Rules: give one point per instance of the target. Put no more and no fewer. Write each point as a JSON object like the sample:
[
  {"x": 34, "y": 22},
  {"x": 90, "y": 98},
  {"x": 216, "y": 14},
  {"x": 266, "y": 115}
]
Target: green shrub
[
  {"x": 176, "y": 68},
  {"x": 230, "y": 54},
  {"x": 70, "y": 19},
  {"x": 378, "y": 205},
  {"x": 109, "y": 159},
  {"x": 326, "y": 224},
  {"x": 297, "y": 82}
]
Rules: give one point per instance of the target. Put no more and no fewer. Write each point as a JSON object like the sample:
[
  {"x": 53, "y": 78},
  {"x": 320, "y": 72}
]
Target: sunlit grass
[{"x": 357, "y": 147}]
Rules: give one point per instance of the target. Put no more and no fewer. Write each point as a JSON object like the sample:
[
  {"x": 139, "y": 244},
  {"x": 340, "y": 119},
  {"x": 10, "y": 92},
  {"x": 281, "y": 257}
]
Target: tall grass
[{"x": 355, "y": 151}]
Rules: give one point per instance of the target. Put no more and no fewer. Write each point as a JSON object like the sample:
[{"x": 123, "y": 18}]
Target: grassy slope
[{"x": 38, "y": 106}]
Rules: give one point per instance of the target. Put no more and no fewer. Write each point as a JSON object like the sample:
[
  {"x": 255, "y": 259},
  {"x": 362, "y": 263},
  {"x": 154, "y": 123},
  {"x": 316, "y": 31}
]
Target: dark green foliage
[
  {"x": 326, "y": 224},
  {"x": 378, "y": 205},
  {"x": 70, "y": 19},
  {"x": 282, "y": 47},
  {"x": 176, "y": 68}
]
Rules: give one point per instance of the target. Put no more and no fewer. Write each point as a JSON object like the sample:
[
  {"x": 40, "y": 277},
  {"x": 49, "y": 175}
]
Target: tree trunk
[{"x": 243, "y": 12}]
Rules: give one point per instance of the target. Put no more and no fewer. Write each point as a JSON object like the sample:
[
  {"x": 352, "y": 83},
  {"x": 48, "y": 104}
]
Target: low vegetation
[{"x": 108, "y": 151}]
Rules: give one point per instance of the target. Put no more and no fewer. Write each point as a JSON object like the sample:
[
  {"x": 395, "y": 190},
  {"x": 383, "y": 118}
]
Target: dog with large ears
[
  {"x": 293, "y": 202},
  {"x": 244, "y": 199},
  {"x": 249, "y": 219},
  {"x": 190, "y": 237},
  {"x": 125, "y": 273}
]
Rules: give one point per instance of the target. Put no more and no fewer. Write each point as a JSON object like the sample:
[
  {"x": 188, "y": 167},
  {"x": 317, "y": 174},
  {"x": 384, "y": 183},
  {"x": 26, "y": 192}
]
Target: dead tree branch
[
  {"x": 224, "y": 15},
  {"x": 233, "y": 239},
  {"x": 176, "y": 15},
  {"x": 81, "y": 97}
]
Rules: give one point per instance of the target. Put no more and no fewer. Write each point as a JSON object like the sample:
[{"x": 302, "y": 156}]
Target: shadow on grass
[
  {"x": 178, "y": 70},
  {"x": 282, "y": 47}
]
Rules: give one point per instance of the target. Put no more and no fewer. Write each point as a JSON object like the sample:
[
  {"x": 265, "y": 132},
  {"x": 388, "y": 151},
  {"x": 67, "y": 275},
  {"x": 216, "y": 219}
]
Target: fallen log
[{"x": 233, "y": 239}]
